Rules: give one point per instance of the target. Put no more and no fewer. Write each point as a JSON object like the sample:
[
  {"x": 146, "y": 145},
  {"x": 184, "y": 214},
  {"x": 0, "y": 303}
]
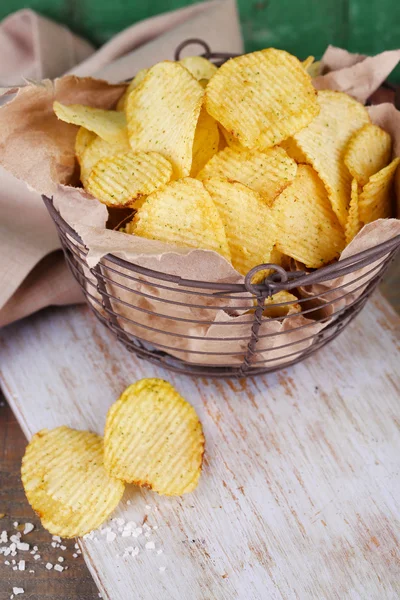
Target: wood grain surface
[{"x": 299, "y": 498}]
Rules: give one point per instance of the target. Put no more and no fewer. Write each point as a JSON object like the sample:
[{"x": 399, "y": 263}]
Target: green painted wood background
[{"x": 300, "y": 26}]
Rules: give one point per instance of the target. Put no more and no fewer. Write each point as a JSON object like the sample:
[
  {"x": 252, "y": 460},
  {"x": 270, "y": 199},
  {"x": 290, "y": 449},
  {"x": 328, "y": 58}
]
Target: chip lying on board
[
  {"x": 377, "y": 196},
  {"x": 123, "y": 179},
  {"x": 324, "y": 141},
  {"x": 368, "y": 151},
  {"x": 253, "y": 97},
  {"x": 248, "y": 221},
  {"x": 184, "y": 214},
  {"x": 110, "y": 125},
  {"x": 154, "y": 438},
  {"x": 162, "y": 114},
  {"x": 66, "y": 483},
  {"x": 308, "y": 231},
  {"x": 353, "y": 223},
  {"x": 268, "y": 173}
]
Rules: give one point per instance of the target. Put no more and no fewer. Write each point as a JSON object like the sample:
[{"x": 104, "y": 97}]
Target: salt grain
[
  {"x": 49, "y": 566},
  {"x": 58, "y": 568},
  {"x": 28, "y": 528},
  {"x": 56, "y": 538},
  {"x": 75, "y": 555},
  {"x": 162, "y": 569},
  {"x": 63, "y": 547},
  {"x": 111, "y": 536},
  {"x": 60, "y": 559},
  {"x": 150, "y": 546},
  {"x": 21, "y": 565},
  {"x": 76, "y": 546},
  {"x": 18, "y": 590},
  {"x": 37, "y": 556},
  {"x": 159, "y": 551},
  {"x": 15, "y": 524},
  {"x": 23, "y": 546},
  {"x": 3, "y": 537}
]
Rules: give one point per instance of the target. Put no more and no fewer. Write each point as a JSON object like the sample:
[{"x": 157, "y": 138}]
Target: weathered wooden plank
[{"x": 300, "y": 492}]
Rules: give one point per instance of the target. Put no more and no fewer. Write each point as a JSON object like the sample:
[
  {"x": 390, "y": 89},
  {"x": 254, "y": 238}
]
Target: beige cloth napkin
[{"x": 33, "y": 47}]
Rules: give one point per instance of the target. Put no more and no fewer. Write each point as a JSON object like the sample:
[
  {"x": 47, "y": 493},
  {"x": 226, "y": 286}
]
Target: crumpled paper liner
[{"x": 39, "y": 149}]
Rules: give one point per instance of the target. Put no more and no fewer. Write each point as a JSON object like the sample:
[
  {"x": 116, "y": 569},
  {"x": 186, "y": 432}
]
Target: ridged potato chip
[
  {"x": 154, "y": 438},
  {"x": 123, "y": 179},
  {"x": 140, "y": 75},
  {"x": 110, "y": 125},
  {"x": 184, "y": 214},
  {"x": 66, "y": 483},
  {"x": 377, "y": 197},
  {"x": 83, "y": 139},
  {"x": 206, "y": 141},
  {"x": 253, "y": 97},
  {"x": 324, "y": 141},
  {"x": 199, "y": 67},
  {"x": 307, "y": 228},
  {"x": 249, "y": 224},
  {"x": 162, "y": 114},
  {"x": 268, "y": 172},
  {"x": 368, "y": 151},
  {"x": 281, "y": 304},
  {"x": 293, "y": 151},
  {"x": 230, "y": 140},
  {"x": 353, "y": 224},
  {"x": 97, "y": 150}
]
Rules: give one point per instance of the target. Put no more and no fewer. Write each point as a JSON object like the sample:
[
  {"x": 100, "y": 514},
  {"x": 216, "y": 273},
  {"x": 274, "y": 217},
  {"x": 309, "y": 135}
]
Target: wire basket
[{"x": 223, "y": 329}]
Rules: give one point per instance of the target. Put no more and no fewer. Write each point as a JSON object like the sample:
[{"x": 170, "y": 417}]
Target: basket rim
[{"x": 281, "y": 280}]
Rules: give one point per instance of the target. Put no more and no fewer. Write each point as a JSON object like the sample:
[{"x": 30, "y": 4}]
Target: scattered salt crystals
[
  {"x": 148, "y": 507},
  {"x": 28, "y": 528},
  {"x": 15, "y": 538},
  {"x": 53, "y": 544},
  {"x": 105, "y": 530},
  {"x": 147, "y": 534},
  {"x": 23, "y": 546},
  {"x": 162, "y": 569},
  {"x": 159, "y": 551},
  {"x": 111, "y": 536},
  {"x": 60, "y": 559},
  {"x": 126, "y": 533},
  {"x": 35, "y": 548},
  {"x": 130, "y": 551},
  {"x": 155, "y": 527},
  {"x": 12, "y": 547},
  {"x": 145, "y": 526},
  {"x": 31, "y": 571},
  {"x": 3, "y": 537},
  {"x": 13, "y": 562},
  {"x": 15, "y": 568},
  {"x": 79, "y": 551},
  {"x": 7, "y": 562},
  {"x": 63, "y": 547},
  {"x": 58, "y": 568},
  {"x": 18, "y": 590},
  {"x": 21, "y": 565},
  {"x": 65, "y": 568},
  {"x": 37, "y": 556},
  {"x": 128, "y": 502},
  {"x": 76, "y": 546},
  {"x": 56, "y": 538},
  {"x": 15, "y": 524},
  {"x": 75, "y": 555},
  {"x": 49, "y": 566},
  {"x": 137, "y": 532},
  {"x": 150, "y": 545}
]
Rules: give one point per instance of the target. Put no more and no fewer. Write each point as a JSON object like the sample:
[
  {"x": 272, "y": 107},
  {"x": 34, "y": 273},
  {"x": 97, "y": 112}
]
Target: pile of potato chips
[
  {"x": 75, "y": 479},
  {"x": 248, "y": 160}
]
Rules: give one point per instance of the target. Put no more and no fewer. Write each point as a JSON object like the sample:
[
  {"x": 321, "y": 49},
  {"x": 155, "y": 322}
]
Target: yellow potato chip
[
  {"x": 307, "y": 228},
  {"x": 368, "y": 151},
  {"x": 353, "y": 224},
  {"x": 268, "y": 172},
  {"x": 230, "y": 140},
  {"x": 312, "y": 66},
  {"x": 206, "y": 141},
  {"x": 154, "y": 438},
  {"x": 66, "y": 483},
  {"x": 83, "y": 139},
  {"x": 97, "y": 150},
  {"x": 307, "y": 62},
  {"x": 262, "y": 98},
  {"x": 140, "y": 75},
  {"x": 376, "y": 200},
  {"x": 248, "y": 221},
  {"x": 110, "y": 125},
  {"x": 324, "y": 141},
  {"x": 199, "y": 67},
  {"x": 123, "y": 179},
  {"x": 281, "y": 304},
  {"x": 163, "y": 112},
  {"x": 293, "y": 151},
  {"x": 184, "y": 214}
]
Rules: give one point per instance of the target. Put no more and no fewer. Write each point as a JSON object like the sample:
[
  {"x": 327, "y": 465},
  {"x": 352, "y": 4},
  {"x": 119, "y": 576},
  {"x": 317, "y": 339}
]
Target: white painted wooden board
[{"x": 300, "y": 494}]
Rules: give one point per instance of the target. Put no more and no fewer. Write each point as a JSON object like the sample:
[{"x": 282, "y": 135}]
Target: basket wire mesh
[{"x": 142, "y": 306}]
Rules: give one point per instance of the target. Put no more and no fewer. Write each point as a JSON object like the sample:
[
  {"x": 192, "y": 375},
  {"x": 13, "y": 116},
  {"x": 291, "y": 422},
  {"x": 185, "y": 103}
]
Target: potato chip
[
  {"x": 66, "y": 483},
  {"x": 199, "y": 67},
  {"x": 281, "y": 304},
  {"x": 293, "y": 151},
  {"x": 248, "y": 221},
  {"x": 377, "y": 197},
  {"x": 324, "y": 141},
  {"x": 163, "y": 112},
  {"x": 206, "y": 141},
  {"x": 154, "y": 438},
  {"x": 353, "y": 225},
  {"x": 140, "y": 75},
  {"x": 312, "y": 66},
  {"x": 262, "y": 98},
  {"x": 230, "y": 140},
  {"x": 307, "y": 228},
  {"x": 110, "y": 125},
  {"x": 83, "y": 139},
  {"x": 184, "y": 214},
  {"x": 123, "y": 179},
  {"x": 97, "y": 150},
  {"x": 368, "y": 151},
  {"x": 268, "y": 172}
]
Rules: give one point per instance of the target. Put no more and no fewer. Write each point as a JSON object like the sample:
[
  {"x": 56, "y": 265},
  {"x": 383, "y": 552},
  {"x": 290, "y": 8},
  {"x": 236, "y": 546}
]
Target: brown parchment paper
[{"x": 39, "y": 149}]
